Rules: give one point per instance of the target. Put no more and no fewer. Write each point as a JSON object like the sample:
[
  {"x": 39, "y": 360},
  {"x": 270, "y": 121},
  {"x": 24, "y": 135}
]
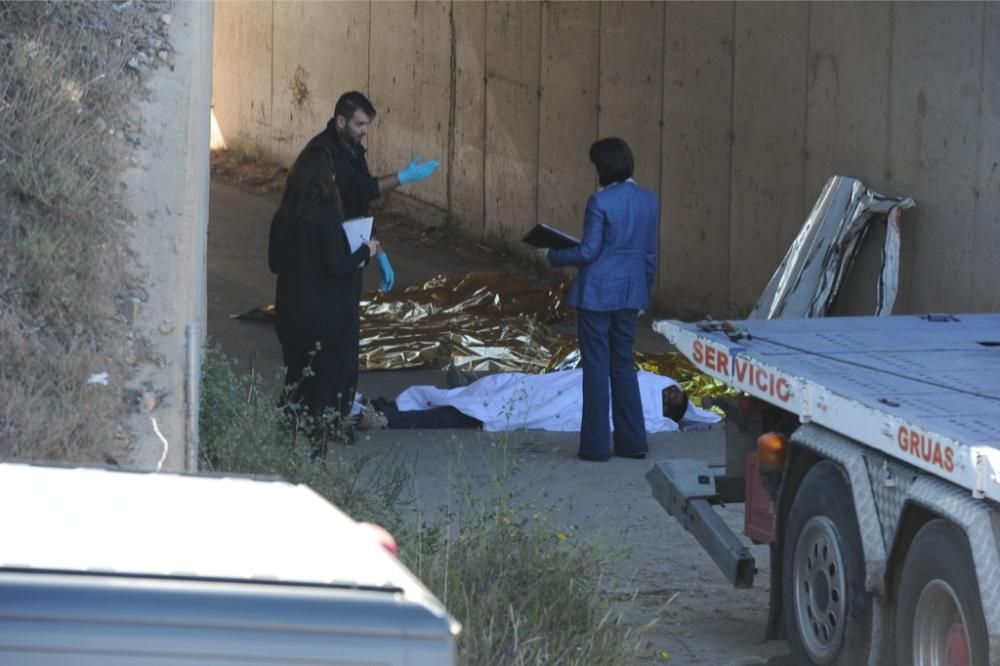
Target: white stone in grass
[{"x": 98, "y": 378}]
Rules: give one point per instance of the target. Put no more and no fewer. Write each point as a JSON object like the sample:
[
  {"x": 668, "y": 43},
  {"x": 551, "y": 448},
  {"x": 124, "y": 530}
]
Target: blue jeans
[{"x": 606, "y": 340}]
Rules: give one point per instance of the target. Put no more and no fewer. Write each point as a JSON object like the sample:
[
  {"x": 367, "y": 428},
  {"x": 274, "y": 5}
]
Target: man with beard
[{"x": 343, "y": 137}]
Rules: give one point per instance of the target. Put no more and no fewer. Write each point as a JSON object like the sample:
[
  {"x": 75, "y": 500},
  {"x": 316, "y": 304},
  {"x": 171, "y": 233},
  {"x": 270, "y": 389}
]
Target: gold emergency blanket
[
  {"x": 480, "y": 321},
  {"x": 675, "y": 365},
  {"x": 486, "y": 322},
  {"x": 668, "y": 364}
]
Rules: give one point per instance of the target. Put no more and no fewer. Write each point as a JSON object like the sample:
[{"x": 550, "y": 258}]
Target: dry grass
[
  {"x": 250, "y": 166},
  {"x": 527, "y": 592},
  {"x": 63, "y": 87}
]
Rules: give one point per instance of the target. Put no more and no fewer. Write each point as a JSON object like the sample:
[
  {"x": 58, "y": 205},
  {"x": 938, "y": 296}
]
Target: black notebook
[{"x": 542, "y": 235}]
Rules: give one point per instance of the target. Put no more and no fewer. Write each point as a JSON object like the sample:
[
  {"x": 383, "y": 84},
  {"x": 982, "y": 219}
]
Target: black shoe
[
  {"x": 592, "y": 457},
  {"x": 634, "y": 455}
]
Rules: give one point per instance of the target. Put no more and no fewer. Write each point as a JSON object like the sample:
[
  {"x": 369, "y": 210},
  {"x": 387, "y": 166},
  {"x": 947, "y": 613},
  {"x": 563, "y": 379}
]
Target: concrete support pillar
[{"x": 167, "y": 191}]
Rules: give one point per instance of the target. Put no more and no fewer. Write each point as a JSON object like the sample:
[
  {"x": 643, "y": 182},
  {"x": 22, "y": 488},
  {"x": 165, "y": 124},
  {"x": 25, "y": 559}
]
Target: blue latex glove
[
  {"x": 415, "y": 171},
  {"x": 388, "y": 276}
]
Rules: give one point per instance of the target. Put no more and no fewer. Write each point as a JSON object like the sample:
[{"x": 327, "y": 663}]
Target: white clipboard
[{"x": 358, "y": 230}]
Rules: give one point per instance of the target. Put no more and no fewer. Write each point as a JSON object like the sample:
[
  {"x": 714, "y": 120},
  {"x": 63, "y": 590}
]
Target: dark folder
[{"x": 542, "y": 235}]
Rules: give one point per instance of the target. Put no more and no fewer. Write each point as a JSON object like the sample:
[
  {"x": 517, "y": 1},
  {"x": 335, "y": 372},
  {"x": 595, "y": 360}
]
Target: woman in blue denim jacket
[{"x": 616, "y": 264}]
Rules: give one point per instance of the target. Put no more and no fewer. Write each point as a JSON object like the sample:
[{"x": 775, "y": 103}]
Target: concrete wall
[
  {"x": 737, "y": 114},
  {"x": 167, "y": 193}
]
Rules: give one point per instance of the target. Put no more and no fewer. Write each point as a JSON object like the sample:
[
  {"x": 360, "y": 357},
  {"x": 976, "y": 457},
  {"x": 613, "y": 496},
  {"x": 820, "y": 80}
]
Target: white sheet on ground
[{"x": 551, "y": 401}]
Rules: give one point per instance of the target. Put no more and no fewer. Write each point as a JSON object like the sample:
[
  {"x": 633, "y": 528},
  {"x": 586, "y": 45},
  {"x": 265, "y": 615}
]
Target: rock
[
  {"x": 166, "y": 19},
  {"x": 147, "y": 402},
  {"x": 130, "y": 309}
]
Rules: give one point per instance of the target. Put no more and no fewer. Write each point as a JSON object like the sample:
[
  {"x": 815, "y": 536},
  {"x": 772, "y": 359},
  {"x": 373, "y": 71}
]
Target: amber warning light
[{"x": 772, "y": 448}]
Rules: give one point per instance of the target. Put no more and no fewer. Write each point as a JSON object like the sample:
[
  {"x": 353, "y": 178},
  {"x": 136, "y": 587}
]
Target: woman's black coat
[{"x": 317, "y": 302}]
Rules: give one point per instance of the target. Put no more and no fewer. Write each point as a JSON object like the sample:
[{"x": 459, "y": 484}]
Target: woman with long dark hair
[{"x": 318, "y": 316}]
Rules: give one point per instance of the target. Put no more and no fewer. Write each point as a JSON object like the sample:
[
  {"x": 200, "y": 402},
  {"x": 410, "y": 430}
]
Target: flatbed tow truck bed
[{"x": 925, "y": 390}]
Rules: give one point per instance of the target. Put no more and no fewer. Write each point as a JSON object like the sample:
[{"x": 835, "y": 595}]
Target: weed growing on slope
[{"x": 63, "y": 87}]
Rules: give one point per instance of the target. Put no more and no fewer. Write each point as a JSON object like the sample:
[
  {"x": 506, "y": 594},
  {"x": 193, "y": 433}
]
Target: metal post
[{"x": 192, "y": 386}]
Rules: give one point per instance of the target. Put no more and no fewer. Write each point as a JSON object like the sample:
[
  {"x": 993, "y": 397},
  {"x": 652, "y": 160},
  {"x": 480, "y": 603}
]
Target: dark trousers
[
  {"x": 606, "y": 341},
  {"x": 318, "y": 380},
  {"x": 435, "y": 417}
]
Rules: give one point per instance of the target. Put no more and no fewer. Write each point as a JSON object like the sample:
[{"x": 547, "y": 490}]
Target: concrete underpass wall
[{"x": 737, "y": 114}]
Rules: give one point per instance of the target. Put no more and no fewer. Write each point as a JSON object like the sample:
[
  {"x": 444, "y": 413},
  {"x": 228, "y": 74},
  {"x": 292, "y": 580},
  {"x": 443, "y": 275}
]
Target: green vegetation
[
  {"x": 243, "y": 432},
  {"x": 525, "y": 591},
  {"x": 62, "y": 88}
]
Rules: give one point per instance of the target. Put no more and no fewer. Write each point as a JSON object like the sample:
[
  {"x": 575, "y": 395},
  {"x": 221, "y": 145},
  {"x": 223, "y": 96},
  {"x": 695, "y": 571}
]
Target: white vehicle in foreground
[
  {"x": 100, "y": 567},
  {"x": 879, "y": 493}
]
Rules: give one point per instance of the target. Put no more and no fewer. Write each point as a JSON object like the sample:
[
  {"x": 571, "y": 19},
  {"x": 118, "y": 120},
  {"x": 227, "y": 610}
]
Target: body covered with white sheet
[{"x": 551, "y": 401}]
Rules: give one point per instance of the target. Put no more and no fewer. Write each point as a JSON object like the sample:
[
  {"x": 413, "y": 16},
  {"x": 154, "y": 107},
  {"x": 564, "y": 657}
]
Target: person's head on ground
[
  {"x": 675, "y": 403},
  {"x": 352, "y": 116},
  {"x": 311, "y": 182},
  {"x": 613, "y": 160}
]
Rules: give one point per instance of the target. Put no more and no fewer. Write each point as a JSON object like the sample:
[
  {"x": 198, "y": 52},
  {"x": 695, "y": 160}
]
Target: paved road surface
[{"x": 707, "y": 623}]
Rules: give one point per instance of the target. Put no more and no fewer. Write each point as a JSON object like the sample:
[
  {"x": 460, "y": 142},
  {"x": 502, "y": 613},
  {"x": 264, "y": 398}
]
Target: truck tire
[
  {"x": 939, "y": 618},
  {"x": 827, "y": 610}
]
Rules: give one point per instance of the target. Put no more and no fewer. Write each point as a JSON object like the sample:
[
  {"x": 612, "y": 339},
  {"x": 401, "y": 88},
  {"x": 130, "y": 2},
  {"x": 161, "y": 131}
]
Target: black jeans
[{"x": 435, "y": 417}]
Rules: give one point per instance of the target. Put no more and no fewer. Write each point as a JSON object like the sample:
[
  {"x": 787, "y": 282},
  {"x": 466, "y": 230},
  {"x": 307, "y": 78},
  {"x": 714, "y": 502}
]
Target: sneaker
[{"x": 371, "y": 418}]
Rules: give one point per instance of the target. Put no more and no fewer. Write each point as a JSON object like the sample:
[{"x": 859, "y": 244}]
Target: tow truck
[{"x": 866, "y": 452}]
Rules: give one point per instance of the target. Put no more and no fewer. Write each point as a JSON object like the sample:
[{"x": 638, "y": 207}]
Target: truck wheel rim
[
  {"x": 939, "y": 636},
  {"x": 820, "y": 589}
]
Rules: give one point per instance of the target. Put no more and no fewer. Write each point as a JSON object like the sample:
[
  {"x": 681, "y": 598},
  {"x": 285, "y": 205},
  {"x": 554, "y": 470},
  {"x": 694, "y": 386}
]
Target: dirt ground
[{"x": 697, "y": 617}]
